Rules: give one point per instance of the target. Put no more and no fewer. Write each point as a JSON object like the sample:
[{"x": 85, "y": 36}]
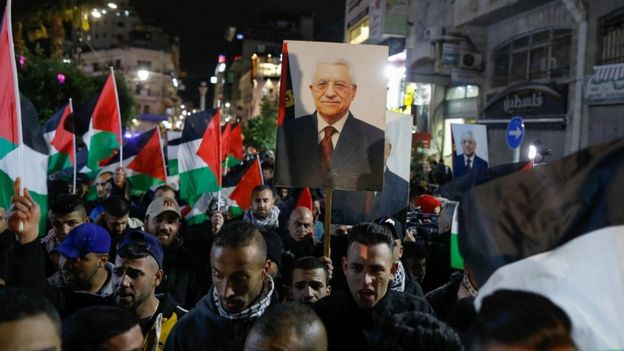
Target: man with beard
[
  {"x": 263, "y": 212},
  {"x": 242, "y": 292},
  {"x": 137, "y": 273},
  {"x": 185, "y": 278},
  {"x": 116, "y": 219},
  {"x": 369, "y": 267},
  {"x": 84, "y": 262}
]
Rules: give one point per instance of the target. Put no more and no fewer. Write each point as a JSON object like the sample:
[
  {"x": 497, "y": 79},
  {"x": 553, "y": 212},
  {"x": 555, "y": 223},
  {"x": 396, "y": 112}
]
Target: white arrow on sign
[{"x": 517, "y": 133}]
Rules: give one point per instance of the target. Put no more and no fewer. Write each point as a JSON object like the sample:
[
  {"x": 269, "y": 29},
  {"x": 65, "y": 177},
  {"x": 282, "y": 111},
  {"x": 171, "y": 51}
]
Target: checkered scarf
[
  {"x": 398, "y": 282},
  {"x": 254, "y": 310},
  {"x": 269, "y": 223}
]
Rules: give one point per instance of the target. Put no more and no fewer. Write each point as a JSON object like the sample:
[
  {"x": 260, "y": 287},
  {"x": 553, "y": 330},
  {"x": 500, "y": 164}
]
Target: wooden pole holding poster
[{"x": 327, "y": 224}]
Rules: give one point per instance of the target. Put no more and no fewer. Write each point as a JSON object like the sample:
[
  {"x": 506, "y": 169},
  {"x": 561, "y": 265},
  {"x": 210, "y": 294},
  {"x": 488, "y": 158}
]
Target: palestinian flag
[
  {"x": 103, "y": 139},
  {"x": 171, "y": 157},
  {"x": 15, "y": 112},
  {"x": 199, "y": 159},
  {"x": 558, "y": 229},
  {"x": 61, "y": 142},
  {"x": 250, "y": 177},
  {"x": 234, "y": 145},
  {"x": 144, "y": 162},
  {"x": 455, "y": 189},
  {"x": 286, "y": 109}
]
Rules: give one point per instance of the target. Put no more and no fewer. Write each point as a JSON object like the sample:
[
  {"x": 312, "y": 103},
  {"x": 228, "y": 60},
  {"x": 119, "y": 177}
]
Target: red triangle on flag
[
  {"x": 105, "y": 116},
  {"x": 63, "y": 139},
  {"x": 210, "y": 145},
  {"x": 8, "y": 77},
  {"x": 147, "y": 162},
  {"x": 305, "y": 199},
  {"x": 251, "y": 179}
]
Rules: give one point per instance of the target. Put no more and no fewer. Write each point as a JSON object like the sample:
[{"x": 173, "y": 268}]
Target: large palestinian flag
[
  {"x": 199, "y": 159},
  {"x": 103, "y": 139},
  {"x": 556, "y": 229},
  {"x": 143, "y": 160},
  {"x": 61, "y": 142}
]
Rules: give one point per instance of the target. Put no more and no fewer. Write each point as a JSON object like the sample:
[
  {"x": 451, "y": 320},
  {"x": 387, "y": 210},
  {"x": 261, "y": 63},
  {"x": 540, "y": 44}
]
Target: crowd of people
[{"x": 129, "y": 273}]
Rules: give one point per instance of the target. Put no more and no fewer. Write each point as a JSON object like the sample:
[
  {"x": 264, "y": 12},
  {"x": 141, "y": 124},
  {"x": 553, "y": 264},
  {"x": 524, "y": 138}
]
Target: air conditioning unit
[
  {"x": 434, "y": 33},
  {"x": 470, "y": 60}
]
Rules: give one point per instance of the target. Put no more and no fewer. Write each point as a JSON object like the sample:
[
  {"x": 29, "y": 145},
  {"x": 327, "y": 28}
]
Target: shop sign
[
  {"x": 606, "y": 86},
  {"x": 528, "y": 100}
]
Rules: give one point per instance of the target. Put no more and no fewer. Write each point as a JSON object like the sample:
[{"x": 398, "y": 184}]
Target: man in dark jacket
[
  {"x": 242, "y": 292},
  {"x": 186, "y": 277},
  {"x": 369, "y": 268}
]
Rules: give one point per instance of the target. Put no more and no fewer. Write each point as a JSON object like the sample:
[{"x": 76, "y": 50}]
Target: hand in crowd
[
  {"x": 23, "y": 210},
  {"x": 119, "y": 178},
  {"x": 409, "y": 236},
  {"x": 327, "y": 262},
  {"x": 217, "y": 221}
]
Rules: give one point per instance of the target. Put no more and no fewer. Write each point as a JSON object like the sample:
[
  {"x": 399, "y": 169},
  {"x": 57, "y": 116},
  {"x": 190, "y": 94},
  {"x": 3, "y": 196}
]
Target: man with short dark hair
[
  {"x": 310, "y": 281},
  {"x": 242, "y": 292},
  {"x": 164, "y": 190},
  {"x": 263, "y": 212},
  {"x": 28, "y": 321},
  {"x": 369, "y": 268},
  {"x": 292, "y": 327},
  {"x": 104, "y": 328},
  {"x": 116, "y": 219}
]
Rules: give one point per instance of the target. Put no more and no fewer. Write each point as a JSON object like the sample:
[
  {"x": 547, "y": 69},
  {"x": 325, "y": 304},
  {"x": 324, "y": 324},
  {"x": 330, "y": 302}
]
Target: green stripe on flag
[
  {"x": 457, "y": 261},
  {"x": 6, "y": 147},
  {"x": 196, "y": 219},
  {"x": 196, "y": 182},
  {"x": 142, "y": 183},
  {"x": 172, "y": 166},
  {"x": 58, "y": 162},
  {"x": 101, "y": 146},
  {"x": 6, "y": 192},
  {"x": 232, "y": 161}
]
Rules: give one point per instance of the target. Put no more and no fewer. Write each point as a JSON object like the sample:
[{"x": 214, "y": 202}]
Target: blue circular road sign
[{"x": 515, "y": 132}]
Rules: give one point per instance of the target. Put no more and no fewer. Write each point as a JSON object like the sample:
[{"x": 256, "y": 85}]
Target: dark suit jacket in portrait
[
  {"x": 459, "y": 165},
  {"x": 357, "y": 160}
]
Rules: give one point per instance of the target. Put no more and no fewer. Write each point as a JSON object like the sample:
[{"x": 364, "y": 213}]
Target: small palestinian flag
[
  {"x": 250, "y": 178},
  {"x": 199, "y": 159},
  {"x": 144, "y": 162},
  {"x": 61, "y": 142}
]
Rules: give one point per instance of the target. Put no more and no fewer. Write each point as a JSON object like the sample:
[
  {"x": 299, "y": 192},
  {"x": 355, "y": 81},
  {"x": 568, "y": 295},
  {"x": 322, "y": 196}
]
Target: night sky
[{"x": 201, "y": 26}]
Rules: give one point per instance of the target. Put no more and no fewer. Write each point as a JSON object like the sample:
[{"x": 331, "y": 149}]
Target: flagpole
[
  {"x": 112, "y": 72},
  {"x": 162, "y": 153},
  {"x": 71, "y": 110},
  {"x": 218, "y": 115},
  {"x": 18, "y": 107}
]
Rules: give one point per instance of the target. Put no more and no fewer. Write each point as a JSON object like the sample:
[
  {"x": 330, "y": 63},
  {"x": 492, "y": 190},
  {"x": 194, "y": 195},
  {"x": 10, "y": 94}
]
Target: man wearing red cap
[{"x": 429, "y": 204}]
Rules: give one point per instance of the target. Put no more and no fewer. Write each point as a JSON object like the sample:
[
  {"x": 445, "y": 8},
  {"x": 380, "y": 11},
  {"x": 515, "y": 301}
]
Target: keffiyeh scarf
[
  {"x": 256, "y": 309},
  {"x": 398, "y": 282},
  {"x": 269, "y": 223}
]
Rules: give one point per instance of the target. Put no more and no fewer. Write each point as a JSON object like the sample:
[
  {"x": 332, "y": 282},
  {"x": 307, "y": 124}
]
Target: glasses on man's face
[{"x": 339, "y": 85}]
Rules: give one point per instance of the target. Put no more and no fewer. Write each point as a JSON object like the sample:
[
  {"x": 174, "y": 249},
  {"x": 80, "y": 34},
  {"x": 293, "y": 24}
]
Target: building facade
[{"x": 559, "y": 64}]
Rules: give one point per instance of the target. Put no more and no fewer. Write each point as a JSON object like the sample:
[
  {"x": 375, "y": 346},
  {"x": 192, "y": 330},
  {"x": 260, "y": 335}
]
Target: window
[
  {"x": 611, "y": 39},
  {"x": 543, "y": 54},
  {"x": 462, "y": 92}
]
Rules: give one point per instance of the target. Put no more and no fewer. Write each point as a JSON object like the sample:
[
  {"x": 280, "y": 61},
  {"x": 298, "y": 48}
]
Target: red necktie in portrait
[{"x": 327, "y": 147}]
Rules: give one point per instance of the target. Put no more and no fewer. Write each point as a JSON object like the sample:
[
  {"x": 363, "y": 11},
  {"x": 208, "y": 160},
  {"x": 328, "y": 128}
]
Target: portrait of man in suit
[
  {"x": 468, "y": 161},
  {"x": 331, "y": 147}
]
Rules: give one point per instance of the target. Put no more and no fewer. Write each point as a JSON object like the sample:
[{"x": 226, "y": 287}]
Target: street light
[
  {"x": 96, "y": 13},
  {"x": 112, "y": 5},
  {"x": 532, "y": 153},
  {"x": 143, "y": 75}
]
